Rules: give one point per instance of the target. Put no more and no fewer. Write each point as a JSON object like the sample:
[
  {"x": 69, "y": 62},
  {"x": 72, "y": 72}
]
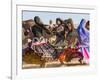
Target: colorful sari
[
  {"x": 84, "y": 40},
  {"x": 41, "y": 46}
]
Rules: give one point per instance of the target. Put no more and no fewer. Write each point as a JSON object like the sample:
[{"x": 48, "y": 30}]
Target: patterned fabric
[
  {"x": 85, "y": 52},
  {"x": 72, "y": 38},
  {"x": 60, "y": 28},
  {"x": 84, "y": 40},
  {"x": 59, "y": 36},
  {"x": 83, "y": 34},
  {"x": 42, "y": 47}
]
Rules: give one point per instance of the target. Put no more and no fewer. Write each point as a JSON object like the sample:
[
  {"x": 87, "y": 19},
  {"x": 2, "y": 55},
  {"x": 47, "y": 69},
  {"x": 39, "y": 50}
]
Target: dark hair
[
  {"x": 88, "y": 23},
  {"x": 65, "y": 21},
  {"x": 37, "y": 20},
  {"x": 59, "y": 19},
  {"x": 69, "y": 21},
  {"x": 26, "y": 33}
]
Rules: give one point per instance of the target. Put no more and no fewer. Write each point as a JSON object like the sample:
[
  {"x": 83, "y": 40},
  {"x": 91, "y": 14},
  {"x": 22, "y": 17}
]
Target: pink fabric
[
  {"x": 85, "y": 54},
  {"x": 38, "y": 43}
]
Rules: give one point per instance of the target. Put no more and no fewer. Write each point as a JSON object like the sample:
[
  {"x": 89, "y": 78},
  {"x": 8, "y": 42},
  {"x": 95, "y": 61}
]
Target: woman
[
  {"x": 39, "y": 43},
  {"x": 60, "y": 31},
  {"x": 83, "y": 31},
  {"x": 71, "y": 34},
  {"x": 27, "y": 28},
  {"x": 39, "y": 28},
  {"x": 27, "y": 34}
]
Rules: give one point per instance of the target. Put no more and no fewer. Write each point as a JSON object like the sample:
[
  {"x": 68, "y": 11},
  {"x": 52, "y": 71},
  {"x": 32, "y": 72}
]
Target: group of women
[{"x": 36, "y": 35}]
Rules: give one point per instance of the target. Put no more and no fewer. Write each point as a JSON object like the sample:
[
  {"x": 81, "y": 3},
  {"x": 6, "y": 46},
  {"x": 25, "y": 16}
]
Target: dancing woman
[
  {"x": 60, "y": 31},
  {"x": 39, "y": 42},
  {"x": 71, "y": 34},
  {"x": 83, "y": 31}
]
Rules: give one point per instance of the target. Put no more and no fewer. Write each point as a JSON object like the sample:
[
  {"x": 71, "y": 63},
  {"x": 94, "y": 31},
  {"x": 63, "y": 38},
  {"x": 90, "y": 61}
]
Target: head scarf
[{"x": 83, "y": 33}]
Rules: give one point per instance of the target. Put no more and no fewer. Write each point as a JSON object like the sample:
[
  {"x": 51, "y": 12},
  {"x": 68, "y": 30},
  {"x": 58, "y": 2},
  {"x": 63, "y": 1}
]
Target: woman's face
[
  {"x": 58, "y": 22},
  {"x": 69, "y": 26},
  {"x": 87, "y": 26},
  {"x": 38, "y": 20}
]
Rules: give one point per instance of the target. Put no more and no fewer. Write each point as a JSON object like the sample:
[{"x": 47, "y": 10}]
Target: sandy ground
[{"x": 53, "y": 64}]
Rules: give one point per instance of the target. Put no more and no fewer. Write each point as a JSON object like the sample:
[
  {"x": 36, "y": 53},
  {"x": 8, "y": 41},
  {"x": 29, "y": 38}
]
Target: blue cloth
[{"x": 83, "y": 34}]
